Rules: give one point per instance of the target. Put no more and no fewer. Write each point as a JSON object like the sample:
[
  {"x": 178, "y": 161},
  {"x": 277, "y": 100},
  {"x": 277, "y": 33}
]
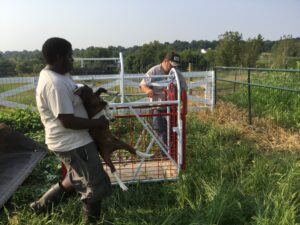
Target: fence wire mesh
[{"x": 274, "y": 94}]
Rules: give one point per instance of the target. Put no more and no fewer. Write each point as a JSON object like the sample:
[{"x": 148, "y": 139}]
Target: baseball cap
[{"x": 174, "y": 58}]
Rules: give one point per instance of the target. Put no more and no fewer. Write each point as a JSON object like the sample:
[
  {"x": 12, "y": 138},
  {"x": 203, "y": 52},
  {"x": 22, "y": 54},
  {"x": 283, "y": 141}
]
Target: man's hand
[
  {"x": 147, "y": 90},
  {"x": 149, "y": 93},
  {"x": 103, "y": 122},
  {"x": 76, "y": 123}
]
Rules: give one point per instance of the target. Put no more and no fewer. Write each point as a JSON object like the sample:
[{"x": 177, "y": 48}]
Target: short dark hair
[{"x": 53, "y": 47}]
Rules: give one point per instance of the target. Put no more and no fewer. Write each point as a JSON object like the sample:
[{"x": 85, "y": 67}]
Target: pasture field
[
  {"x": 6, "y": 87},
  {"x": 236, "y": 174},
  {"x": 282, "y": 106}
]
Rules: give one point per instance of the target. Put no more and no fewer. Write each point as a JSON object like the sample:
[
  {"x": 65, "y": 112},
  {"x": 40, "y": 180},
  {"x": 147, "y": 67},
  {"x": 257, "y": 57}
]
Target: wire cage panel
[{"x": 134, "y": 115}]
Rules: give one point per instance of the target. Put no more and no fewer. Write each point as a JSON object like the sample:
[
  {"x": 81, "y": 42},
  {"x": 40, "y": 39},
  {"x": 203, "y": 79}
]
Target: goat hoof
[{"x": 144, "y": 155}]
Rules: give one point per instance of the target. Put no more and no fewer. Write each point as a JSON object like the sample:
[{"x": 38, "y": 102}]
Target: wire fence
[{"x": 274, "y": 93}]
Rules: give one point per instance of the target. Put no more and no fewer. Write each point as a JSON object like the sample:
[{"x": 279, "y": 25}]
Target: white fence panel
[{"x": 200, "y": 84}]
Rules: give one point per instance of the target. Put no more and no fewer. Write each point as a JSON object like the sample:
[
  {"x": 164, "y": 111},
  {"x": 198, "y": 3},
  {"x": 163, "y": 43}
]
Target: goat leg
[
  {"x": 106, "y": 157},
  {"x": 118, "y": 144},
  {"x": 121, "y": 184}
]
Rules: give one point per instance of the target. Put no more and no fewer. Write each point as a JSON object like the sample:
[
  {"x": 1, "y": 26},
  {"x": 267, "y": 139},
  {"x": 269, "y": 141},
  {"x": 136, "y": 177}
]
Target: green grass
[
  {"x": 281, "y": 106},
  {"x": 7, "y": 87},
  {"x": 26, "y": 98},
  {"x": 227, "y": 181}
]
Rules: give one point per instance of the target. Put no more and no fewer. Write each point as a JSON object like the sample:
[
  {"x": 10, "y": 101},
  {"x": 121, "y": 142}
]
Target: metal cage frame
[{"x": 160, "y": 168}]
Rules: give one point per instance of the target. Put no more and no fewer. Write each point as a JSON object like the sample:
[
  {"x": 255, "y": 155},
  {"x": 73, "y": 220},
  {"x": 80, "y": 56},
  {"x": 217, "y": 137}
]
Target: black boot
[
  {"x": 91, "y": 212},
  {"x": 52, "y": 196}
]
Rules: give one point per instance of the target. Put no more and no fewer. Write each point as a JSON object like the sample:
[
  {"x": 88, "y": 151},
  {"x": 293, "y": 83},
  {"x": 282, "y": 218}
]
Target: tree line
[{"x": 229, "y": 50}]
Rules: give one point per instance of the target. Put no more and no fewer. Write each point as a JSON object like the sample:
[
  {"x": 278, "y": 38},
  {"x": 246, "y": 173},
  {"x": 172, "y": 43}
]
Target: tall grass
[
  {"x": 227, "y": 181},
  {"x": 279, "y": 105}
]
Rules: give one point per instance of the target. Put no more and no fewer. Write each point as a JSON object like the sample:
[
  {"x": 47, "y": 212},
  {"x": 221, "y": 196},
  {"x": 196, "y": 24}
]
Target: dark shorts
[{"x": 86, "y": 172}]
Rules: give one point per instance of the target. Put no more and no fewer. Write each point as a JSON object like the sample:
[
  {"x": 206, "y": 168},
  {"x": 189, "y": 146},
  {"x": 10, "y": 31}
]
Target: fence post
[
  {"x": 215, "y": 87},
  {"x": 249, "y": 98},
  {"x": 190, "y": 79},
  {"x": 121, "y": 77}
]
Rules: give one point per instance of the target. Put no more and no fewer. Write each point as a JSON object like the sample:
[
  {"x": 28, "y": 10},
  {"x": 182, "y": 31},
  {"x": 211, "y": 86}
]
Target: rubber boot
[
  {"x": 91, "y": 212},
  {"x": 52, "y": 196}
]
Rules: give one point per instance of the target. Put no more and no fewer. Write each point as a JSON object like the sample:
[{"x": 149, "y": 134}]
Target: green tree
[
  {"x": 24, "y": 67},
  {"x": 294, "y": 50},
  {"x": 210, "y": 58},
  {"x": 280, "y": 52},
  {"x": 37, "y": 67},
  {"x": 95, "y": 66},
  {"x": 7, "y": 68},
  {"x": 144, "y": 57},
  {"x": 229, "y": 49},
  {"x": 179, "y": 46},
  {"x": 251, "y": 51},
  {"x": 194, "y": 57}
]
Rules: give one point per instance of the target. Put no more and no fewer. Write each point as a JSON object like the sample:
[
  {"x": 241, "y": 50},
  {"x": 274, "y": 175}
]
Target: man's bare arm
[
  {"x": 147, "y": 90},
  {"x": 76, "y": 123}
]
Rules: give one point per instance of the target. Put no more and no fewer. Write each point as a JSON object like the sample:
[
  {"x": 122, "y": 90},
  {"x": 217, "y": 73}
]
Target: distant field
[
  {"x": 6, "y": 87},
  {"x": 280, "y": 105}
]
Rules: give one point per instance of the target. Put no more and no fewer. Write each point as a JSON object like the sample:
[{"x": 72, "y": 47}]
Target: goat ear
[{"x": 100, "y": 91}]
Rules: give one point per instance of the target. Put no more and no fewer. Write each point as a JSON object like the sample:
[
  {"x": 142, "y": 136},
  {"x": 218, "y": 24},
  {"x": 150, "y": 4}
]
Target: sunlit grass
[
  {"x": 227, "y": 181},
  {"x": 7, "y": 87},
  {"x": 282, "y": 106}
]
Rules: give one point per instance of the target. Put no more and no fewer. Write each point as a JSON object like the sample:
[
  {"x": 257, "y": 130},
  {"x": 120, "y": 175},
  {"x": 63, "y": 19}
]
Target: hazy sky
[{"x": 26, "y": 24}]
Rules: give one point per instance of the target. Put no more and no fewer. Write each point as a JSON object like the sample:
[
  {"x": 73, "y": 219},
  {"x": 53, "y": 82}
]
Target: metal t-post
[
  {"x": 121, "y": 77},
  {"x": 249, "y": 98},
  {"x": 215, "y": 87}
]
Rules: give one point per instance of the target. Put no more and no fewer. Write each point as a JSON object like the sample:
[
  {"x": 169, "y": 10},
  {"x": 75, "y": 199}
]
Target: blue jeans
[{"x": 161, "y": 127}]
